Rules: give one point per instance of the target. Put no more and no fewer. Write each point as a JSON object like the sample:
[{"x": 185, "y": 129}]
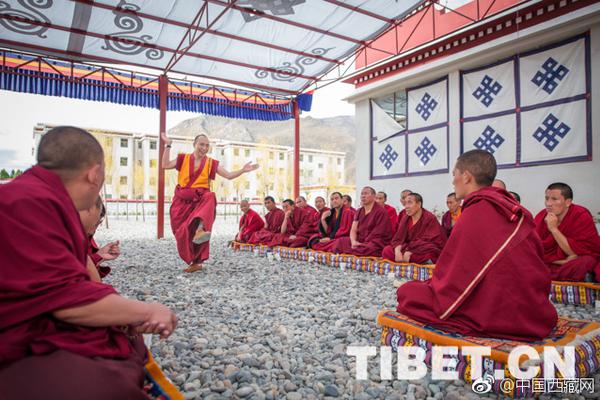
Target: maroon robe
[
  {"x": 301, "y": 224},
  {"x": 425, "y": 239},
  {"x": 373, "y": 233},
  {"x": 274, "y": 220},
  {"x": 43, "y": 256},
  {"x": 393, "y": 218},
  {"x": 93, "y": 248},
  {"x": 336, "y": 228},
  {"x": 579, "y": 229},
  {"x": 189, "y": 207},
  {"x": 314, "y": 212},
  {"x": 490, "y": 280},
  {"x": 250, "y": 223},
  {"x": 447, "y": 223}
]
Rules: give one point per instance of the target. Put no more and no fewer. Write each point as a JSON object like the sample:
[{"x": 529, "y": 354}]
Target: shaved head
[
  {"x": 67, "y": 150},
  {"x": 481, "y": 164}
]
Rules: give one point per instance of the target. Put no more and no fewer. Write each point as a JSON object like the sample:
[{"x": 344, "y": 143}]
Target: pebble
[{"x": 250, "y": 328}]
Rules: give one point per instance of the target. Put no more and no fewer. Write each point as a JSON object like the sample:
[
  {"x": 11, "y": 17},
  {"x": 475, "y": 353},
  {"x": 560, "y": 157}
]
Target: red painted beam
[
  {"x": 163, "y": 87},
  {"x": 296, "y": 150}
]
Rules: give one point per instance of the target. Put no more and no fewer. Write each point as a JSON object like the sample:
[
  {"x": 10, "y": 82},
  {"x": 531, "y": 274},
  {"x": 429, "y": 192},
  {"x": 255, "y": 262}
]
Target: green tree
[{"x": 4, "y": 174}]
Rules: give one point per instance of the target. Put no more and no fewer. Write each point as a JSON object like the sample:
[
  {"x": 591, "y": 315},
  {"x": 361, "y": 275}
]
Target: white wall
[{"x": 529, "y": 182}]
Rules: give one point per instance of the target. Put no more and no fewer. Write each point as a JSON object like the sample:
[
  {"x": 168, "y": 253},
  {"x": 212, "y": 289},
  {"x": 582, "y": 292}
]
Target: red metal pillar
[
  {"x": 296, "y": 150},
  {"x": 163, "y": 87}
]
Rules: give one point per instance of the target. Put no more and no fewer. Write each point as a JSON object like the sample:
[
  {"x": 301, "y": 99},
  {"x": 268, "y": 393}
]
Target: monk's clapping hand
[
  {"x": 161, "y": 321},
  {"x": 249, "y": 167}
]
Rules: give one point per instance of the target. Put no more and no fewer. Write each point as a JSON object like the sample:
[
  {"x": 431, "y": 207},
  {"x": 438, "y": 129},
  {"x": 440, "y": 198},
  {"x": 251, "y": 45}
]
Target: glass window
[
  {"x": 123, "y": 161},
  {"x": 153, "y": 145},
  {"x": 124, "y": 143},
  {"x": 271, "y": 155},
  {"x": 139, "y": 163},
  {"x": 395, "y": 105},
  {"x": 247, "y": 185},
  {"x": 123, "y": 197},
  {"x": 236, "y": 152},
  {"x": 123, "y": 180},
  {"x": 310, "y": 158},
  {"x": 153, "y": 163},
  {"x": 320, "y": 165},
  {"x": 222, "y": 152},
  {"x": 139, "y": 145},
  {"x": 281, "y": 156},
  {"x": 339, "y": 161},
  {"x": 152, "y": 181},
  {"x": 247, "y": 153},
  {"x": 301, "y": 157},
  {"x": 271, "y": 170}
]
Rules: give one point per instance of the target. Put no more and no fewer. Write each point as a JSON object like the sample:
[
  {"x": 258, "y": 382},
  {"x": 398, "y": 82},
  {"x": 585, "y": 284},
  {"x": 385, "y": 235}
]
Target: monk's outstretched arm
[
  {"x": 114, "y": 310},
  {"x": 249, "y": 167},
  {"x": 167, "y": 163}
]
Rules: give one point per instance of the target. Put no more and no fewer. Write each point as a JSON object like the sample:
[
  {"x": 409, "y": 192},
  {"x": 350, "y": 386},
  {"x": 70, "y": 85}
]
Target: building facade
[
  {"x": 519, "y": 84},
  {"x": 132, "y": 167}
]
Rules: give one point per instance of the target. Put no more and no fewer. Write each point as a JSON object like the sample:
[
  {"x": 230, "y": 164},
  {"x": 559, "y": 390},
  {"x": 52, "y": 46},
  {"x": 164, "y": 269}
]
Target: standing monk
[
  {"x": 274, "y": 220},
  {"x": 298, "y": 226},
  {"x": 250, "y": 222},
  {"x": 419, "y": 238},
  {"x": 381, "y": 198},
  {"x": 194, "y": 205},
  {"x": 490, "y": 280},
  {"x": 370, "y": 230},
  {"x": 451, "y": 216},
  {"x": 63, "y": 336},
  {"x": 335, "y": 223},
  {"x": 569, "y": 236}
]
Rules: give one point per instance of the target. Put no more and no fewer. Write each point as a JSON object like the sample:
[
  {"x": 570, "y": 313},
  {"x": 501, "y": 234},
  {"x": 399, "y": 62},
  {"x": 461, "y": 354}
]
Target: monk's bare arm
[
  {"x": 353, "y": 233},
  {"x": 562, "y": 242},
  {"x": 284, "y": 223},
  {"x": 166, "y": 162},
  {"x": 234, "y": 174},
  {"x": 114, "y": 310}
]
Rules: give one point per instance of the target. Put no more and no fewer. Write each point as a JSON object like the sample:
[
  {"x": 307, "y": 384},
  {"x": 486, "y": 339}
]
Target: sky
[{"x": 21, "y": 112}]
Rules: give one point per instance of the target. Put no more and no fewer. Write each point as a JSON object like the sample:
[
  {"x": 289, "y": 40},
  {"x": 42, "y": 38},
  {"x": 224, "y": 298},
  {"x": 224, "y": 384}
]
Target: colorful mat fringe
[
  {"x": 575, "y": 293},
  {"x": 157, "y": 386},
  {"x": 399, "y": 330}
]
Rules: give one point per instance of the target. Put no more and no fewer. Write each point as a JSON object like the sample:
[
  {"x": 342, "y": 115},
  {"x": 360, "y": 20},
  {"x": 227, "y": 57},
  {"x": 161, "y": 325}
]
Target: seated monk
[
  {"x": 452, "y": 215},
  {"x": 334, "y": 224},
  {"x": 91, "y": 219},
  {"x": 403, "y": 195},
  {"x": 274, "y": 219},
  {"x": 499, "y": 183},
  {"x": 419, "y": 238},
  {"x": 63, "y": 336},
  {"x": 516, "y": 196},
  {"x": 320, "y": 206},
  {"x": 301, "y": 202},
  {"x": 250, "y": 223},
  {"x": 490, "y": 279},
  {"x": 347, "y": 202},
  {"x": 298, "y": 226},
  {"x": 381, "y": 198},
  {"x": 370, "y": 230},
  {"x": 569, "y": 236}
]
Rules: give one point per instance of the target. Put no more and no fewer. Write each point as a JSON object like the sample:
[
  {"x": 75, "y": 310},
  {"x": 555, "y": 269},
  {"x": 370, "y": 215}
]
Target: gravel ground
[{"x": 251, "y": 328}]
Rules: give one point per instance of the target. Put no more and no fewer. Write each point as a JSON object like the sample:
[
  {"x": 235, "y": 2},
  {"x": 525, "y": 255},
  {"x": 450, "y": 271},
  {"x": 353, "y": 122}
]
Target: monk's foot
[
  {"x": 193, "y": 268},
  {"x": 201, "y": 236}
]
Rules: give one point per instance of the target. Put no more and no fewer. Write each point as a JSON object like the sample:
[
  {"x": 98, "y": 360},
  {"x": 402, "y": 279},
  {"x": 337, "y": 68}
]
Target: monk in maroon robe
[
  {"x": 451, "y": 216},
  {"x": 403, "y": 195},
  {"x": 91, "y": 219},
  {"x": 193, "y": 209},
  {"x": 490, "y": 280},
  {"x": 347, "y": 201},
  {"x": 370, "y": 231},
  {"x": 381, "y": 198},
  {"x": 298, "y": 226},
  {"x": 321, "y": 206},
  {"x": 250, "y": 222},
  {"x": 274, "y": 220},
  {"x": 569, "y": 236},
  {"x": 62, "y": 335},
  {"x": 302, "y": 203},
  {"x": 335, "y": 223},
  {"x": 419, "y": 238}
]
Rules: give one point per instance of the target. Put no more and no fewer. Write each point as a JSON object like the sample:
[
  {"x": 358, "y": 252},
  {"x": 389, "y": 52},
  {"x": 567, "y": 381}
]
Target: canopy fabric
[
  {"x": 36, "y": 75},
  {"x": 279, "y": 46}
]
